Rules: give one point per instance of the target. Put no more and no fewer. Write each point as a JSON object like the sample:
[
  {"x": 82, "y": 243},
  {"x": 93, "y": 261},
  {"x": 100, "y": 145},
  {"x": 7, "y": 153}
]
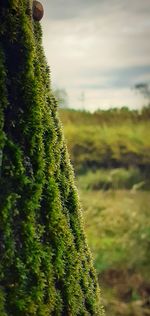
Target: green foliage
[
  {"x": 2, "y": 303},
  {"x": 45, "y": 264}
]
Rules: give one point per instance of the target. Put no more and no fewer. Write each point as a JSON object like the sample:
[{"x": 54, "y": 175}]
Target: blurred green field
[
  {"x": 118, "y": 228},
  {"x": 110, "y": 152},
  {"x": 117, "y": 224},
  {"x": 107, "y": 141}
]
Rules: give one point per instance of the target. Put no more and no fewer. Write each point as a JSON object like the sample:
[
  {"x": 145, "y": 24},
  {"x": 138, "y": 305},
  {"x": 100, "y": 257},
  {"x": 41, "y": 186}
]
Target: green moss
[{"x": 45, "y": 264}]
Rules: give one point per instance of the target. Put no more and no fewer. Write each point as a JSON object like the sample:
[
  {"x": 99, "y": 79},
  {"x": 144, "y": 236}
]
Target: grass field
[{"x": 118, "y": 229}]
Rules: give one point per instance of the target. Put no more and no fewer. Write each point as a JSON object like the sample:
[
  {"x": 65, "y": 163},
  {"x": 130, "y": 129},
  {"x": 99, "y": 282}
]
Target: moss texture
[{"x": 45, "y": 264}]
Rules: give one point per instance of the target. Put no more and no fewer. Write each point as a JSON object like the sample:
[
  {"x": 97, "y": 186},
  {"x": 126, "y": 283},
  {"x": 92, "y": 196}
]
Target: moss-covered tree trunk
[{"x": 45, "y": 265}]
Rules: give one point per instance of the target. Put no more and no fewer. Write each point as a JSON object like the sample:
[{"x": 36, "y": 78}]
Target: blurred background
[{"x": 99, "y": 55}]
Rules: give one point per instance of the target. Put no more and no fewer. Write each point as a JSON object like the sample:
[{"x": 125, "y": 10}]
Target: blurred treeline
[{"x": 110, "y": 152}]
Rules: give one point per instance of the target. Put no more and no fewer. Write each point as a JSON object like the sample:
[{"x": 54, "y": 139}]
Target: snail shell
[{"x": 38, "y": 11}]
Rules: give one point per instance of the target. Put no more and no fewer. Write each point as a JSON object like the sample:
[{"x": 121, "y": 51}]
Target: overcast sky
[{"x": 98, "y": 49}]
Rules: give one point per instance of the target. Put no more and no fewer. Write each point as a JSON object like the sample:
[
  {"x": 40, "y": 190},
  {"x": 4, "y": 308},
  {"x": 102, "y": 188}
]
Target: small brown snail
[{"x": 38, "y": 10}]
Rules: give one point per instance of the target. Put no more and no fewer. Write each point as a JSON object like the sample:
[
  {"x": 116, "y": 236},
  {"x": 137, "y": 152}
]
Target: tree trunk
[{"x": 45, "y": 264}]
